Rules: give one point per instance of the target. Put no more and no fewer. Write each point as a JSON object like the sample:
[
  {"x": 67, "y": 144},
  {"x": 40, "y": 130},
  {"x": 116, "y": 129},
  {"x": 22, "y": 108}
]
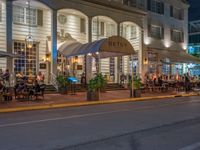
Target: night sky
[{"x": 194, "y": 10}]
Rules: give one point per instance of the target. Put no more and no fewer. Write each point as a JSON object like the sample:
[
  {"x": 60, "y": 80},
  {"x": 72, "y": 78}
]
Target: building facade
[
  {"x": 194, "y": 45},
  {"x": 151, "y": 26}
]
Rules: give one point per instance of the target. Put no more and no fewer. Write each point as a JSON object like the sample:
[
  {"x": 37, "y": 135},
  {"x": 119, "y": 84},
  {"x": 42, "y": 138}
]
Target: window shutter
[
  {"x": 162, "y": 32},
  {"x": 102, "y": 25},
  {"x": 82, "y": 25},
  {"x": 149, "y": 30},
  {"x": 0, "y": 11},
  {"x": 171, "y": 11},
  {"x": 162, "y": 8},
  {"x": 149, "y": 5},
  {"x": 182, "y": 14},
  {"x": 171, "y": 33},
  {"x": 40, "y": 17},
  {"x": 182, "y": 36}
]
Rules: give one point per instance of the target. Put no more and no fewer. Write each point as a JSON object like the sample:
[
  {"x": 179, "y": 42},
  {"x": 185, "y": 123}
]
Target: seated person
[
  {"x": 37, "y": 86},
  {"x": 30, "y": 78},
  {"x": 21, "y": 86},
  {"x": 2, "y": 88},
  {"x": 36, "y": 89},
  {"x": 160, "y": 81},
  {"x": 40, "y": 78}
]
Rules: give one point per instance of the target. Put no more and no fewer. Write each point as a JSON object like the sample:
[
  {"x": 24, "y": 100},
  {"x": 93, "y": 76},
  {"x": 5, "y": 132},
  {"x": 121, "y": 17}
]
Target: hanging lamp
[{"x": 29, "y": 37}]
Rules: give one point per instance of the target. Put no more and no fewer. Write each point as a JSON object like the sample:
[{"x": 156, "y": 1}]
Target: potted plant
[
  {"x": 62, "y": 84},
  {"x": 102, "y": 82},
  {"x": 94, "y": 87},
  {"x": 137, "y": 84}
]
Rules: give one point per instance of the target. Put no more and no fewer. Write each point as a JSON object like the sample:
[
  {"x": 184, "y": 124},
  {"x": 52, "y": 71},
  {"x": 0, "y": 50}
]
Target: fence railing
[{"x": 53, "y": 81}]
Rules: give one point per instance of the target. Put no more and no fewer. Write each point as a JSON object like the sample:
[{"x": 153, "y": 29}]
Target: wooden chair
[{"x": 40, "y": 92}]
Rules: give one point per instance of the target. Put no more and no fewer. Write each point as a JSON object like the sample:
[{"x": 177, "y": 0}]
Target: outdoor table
[{"x": 73, "y": 81}]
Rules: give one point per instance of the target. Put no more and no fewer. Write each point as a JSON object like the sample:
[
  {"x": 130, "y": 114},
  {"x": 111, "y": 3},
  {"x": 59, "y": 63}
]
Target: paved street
[{"x": 169, "y": 124}]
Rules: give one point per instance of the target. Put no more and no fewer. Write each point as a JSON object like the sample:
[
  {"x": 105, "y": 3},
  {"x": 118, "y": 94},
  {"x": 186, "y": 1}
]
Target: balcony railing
[{"x": 141, "y": 4}]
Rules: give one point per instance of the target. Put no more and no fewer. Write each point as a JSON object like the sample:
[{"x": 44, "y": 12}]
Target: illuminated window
[{"x": 27, "y": 63}]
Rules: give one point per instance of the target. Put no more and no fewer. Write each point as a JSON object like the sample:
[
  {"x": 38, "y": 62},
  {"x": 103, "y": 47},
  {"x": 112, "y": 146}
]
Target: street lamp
[
  {"x": 29, "y": 37},
  {"x": 145, "y": 61}
]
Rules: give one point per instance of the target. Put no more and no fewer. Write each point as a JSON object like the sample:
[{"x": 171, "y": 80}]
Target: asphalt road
[{"x": 169, "y": 124}]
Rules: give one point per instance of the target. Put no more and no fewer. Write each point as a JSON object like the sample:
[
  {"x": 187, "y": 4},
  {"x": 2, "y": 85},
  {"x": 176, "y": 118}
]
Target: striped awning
[{"x": 109, "y": 47}]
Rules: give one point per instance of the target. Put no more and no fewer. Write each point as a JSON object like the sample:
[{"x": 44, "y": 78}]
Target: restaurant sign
[{"x": 117, "y": 44}]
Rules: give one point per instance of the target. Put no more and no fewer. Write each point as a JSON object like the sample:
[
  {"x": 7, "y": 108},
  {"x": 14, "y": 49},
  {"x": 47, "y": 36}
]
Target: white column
[
  {"x": 117, "y": 61},
  {"x": 9, "y": 43},
  {"x": 88, "y": 69},
  {"x": 141, "y": 55},
  {"x": 54, "y": 42}
]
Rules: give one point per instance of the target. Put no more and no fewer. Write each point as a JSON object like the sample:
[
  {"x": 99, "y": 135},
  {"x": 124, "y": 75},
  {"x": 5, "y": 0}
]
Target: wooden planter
[
  {"x": 92, "y": 96},
  {"x": 62, "y": 90},
  {"x": 135, "y": 93},
  {"x": 103, "y": 89}
]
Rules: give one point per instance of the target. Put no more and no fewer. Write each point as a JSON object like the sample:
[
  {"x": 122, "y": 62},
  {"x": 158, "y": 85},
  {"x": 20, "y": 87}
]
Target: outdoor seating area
[
  {"x": 31, "y": 88},
  {"x": 26, "y": 87},
  {"x": 164, "y": 83}
]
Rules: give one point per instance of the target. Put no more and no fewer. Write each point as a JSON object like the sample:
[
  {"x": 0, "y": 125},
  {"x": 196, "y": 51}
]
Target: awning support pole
[
  {"x": 98, "y": 71},
  {"x": 132, "y": 77}
]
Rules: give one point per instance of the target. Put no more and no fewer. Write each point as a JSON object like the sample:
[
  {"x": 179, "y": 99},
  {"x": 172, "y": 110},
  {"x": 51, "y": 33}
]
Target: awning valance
[
  {"x": 175, "y": 56},
  {"x": 109, "y": 47}
]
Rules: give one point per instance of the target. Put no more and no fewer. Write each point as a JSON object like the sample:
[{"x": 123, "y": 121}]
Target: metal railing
[{"x": 53, "y": 81}]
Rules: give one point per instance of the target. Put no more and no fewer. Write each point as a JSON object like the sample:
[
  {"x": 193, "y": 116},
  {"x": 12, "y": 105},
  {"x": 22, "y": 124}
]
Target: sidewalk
[{"x": 59, "y": 101}]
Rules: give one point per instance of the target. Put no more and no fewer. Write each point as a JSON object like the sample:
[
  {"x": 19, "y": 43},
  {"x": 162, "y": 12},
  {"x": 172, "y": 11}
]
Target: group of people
[
  {"x": 30, "y": 78},
  {"x": 181, "y": 80},
  {"x": 5, "y": 77},
  {"x": 124, "y": 78},
  {"x": 23, "y": 83},
  {"x": 28, "y": 84}
]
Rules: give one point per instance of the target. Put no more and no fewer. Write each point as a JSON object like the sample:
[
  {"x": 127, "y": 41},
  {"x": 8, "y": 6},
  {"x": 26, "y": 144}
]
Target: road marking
[
  {"x": 62, "y": 118},
  {"x": 191, "y": 147},
  {"x": 90, "y": 114}
]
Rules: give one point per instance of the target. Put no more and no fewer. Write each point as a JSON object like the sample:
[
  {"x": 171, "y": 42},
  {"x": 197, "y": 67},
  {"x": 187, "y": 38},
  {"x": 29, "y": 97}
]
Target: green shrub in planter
[
  {"x": 62, "y": 84},
  {"x": 94, "y": 87},
  {"x": 136, "y": 91}
]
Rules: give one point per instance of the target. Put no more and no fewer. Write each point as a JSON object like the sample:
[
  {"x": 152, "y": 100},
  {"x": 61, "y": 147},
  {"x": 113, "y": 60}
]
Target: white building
[{"x": 153, "y": 27}]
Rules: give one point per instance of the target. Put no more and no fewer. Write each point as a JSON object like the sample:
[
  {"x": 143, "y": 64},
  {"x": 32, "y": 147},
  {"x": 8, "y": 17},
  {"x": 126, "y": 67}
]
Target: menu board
[{"x": 43, "y": 65}]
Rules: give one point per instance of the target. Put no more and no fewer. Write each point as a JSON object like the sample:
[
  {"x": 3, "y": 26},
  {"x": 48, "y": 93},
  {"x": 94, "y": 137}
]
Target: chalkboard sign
[
  {"x": 43, "y": 66},
  {"x": 79, "y": 67}
]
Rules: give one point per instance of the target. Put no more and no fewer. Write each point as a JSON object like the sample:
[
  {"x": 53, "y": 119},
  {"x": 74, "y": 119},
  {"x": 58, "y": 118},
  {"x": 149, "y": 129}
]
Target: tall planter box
[
  {"x": 62, "y": 90},
  {"x": 135, "y": 93},
  {"x": 92, "y": 96}
]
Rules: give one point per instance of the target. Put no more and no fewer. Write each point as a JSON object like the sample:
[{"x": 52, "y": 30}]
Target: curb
[{"x": 87, "y": 103}]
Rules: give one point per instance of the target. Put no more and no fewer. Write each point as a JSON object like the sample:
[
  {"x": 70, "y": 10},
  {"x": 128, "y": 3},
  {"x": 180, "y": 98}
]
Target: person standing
[
  {"x": 83, "y": 79},
  {"x": 187, "y": 83}
]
